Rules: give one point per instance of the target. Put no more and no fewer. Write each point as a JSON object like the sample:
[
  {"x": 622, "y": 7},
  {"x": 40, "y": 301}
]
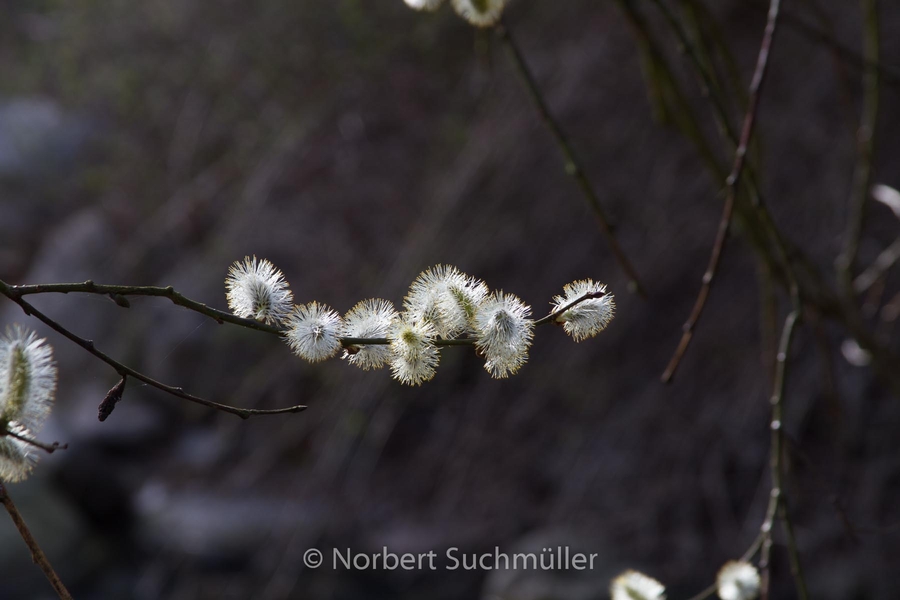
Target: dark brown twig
[
  {"x": 731, "y": 183},
  {"x": 89, "y": 287},
  {"x": 572, "y": 166},
  {"x": 48, "y": 448},
  {"x": 124, "y": 370},
  {"x": 37, "y": 555}
]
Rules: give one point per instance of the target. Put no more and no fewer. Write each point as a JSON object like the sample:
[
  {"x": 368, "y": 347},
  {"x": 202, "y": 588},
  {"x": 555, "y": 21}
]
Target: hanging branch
[
  {"x": 37, "y": 555},
  {"x": 731, "y": 183},
  {"x": 573, "y": 166},
  {"x": 865, "y": 139}
]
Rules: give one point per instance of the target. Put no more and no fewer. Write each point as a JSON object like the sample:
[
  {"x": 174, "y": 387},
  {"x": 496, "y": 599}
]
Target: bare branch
[
  {"x": 48, "y": 448},
  {"x": 124, "y": 370},
  {"x": 572, "y": 165},
  {"x": 37, "y": 555},
  {"x": 731, "y": 183}
]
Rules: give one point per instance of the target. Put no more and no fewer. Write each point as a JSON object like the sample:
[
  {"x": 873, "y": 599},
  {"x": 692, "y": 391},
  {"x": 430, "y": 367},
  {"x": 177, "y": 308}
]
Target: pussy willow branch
[
  {"x": 759, "y": 76},
  {"x": 15, "y": 292},
  {"x": 37, "y": 555},
  {"x": 245, "y": 413},
  {"x": 572, "y": 165}
]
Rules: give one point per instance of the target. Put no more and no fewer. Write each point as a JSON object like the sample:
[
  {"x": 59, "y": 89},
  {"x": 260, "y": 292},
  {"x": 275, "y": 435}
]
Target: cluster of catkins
[
  {"x": 442, "y": 304},
  {"x": 737, "y": 580},
  {"x": 27, "y": 389},
  {"x": 480, "y": 13}
]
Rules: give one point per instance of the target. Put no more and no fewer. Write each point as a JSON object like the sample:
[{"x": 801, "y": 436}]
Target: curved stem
[
  {"x": 572, "y": 166},
  {"x": 114, "y": 291},
  {"x": 862, "y": 174},
  {"x": 123, "y": 370},
  {"x": 48, "y": 448},
  {"x": 759, "y": 76},
  {"x": 37, "y": 555}
]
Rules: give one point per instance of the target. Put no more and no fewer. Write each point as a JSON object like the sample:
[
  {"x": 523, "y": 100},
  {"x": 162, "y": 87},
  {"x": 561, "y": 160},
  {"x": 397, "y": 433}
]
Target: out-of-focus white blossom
[
  {"x": 446, "y": 298},
  {"x": 632, "y": 585},
  {"x": 27, "y": 388},
  {"x": 504, "y": 333},
  {"x": 424, "y": 4},
  {"x": 481, "y": 13},
  {"x": 738, "y": 580},
  {"x": 414, "y": 357},
  {"x": 314, "y": 331},
  {"x": 368, "y": 319},
  {"x": 256, "y": 289},
  {"x": 589, "y": 317}
]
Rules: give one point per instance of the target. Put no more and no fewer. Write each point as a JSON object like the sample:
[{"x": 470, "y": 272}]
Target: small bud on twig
[{"x": 111, "y": 399}]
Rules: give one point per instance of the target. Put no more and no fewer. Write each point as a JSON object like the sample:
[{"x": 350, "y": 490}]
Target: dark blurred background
[{"x": 355, "y": 143}]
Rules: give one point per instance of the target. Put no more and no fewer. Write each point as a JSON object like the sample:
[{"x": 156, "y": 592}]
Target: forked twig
[{"x": 124, "y": 370}]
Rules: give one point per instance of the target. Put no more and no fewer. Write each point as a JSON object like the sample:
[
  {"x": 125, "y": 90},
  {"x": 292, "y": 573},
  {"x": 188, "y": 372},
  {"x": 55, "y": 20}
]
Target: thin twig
[
  {"x": 890, "y": 74},
  {"x": 123, "y": 370},
  {"x": 90, "y": 287},
  {"x": 877, "y": 269},
  {"x": 15, "y": 292},
  {"x": 865, "y": 150},
  {"x": 37, "y": 555},
  {"x": 48, "y": 448},
  {"x": 793, "y": 552},
  {"x": 777, "y": 441},
  {"x": 731, "y": 182},
  {"x": 748, "y": 554},
  {"x": 572, "y": 165},
  {"x": 713, "y": 92},
  {"x": 556, "y": 313},
  {"x": 683, "y": 118}
]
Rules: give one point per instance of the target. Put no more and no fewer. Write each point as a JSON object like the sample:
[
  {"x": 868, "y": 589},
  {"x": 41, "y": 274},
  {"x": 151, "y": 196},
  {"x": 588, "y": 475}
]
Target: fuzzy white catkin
[
  {"x": 256, "y": 289},
  {"x": 480, "y": 13},
  {"x": 738, "y": 580},
  {"x": 369, "y": 319},
  {"x": 27, "y": 389},
  {"x": 445, "y": 297},
  {"x": 313, "y": 331},
  {"x": 504, "y": 333},
  {"x": 414, "y": 357},
  {"x": 632, "y": 585},
  {"x": 589, "y": 317}
]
